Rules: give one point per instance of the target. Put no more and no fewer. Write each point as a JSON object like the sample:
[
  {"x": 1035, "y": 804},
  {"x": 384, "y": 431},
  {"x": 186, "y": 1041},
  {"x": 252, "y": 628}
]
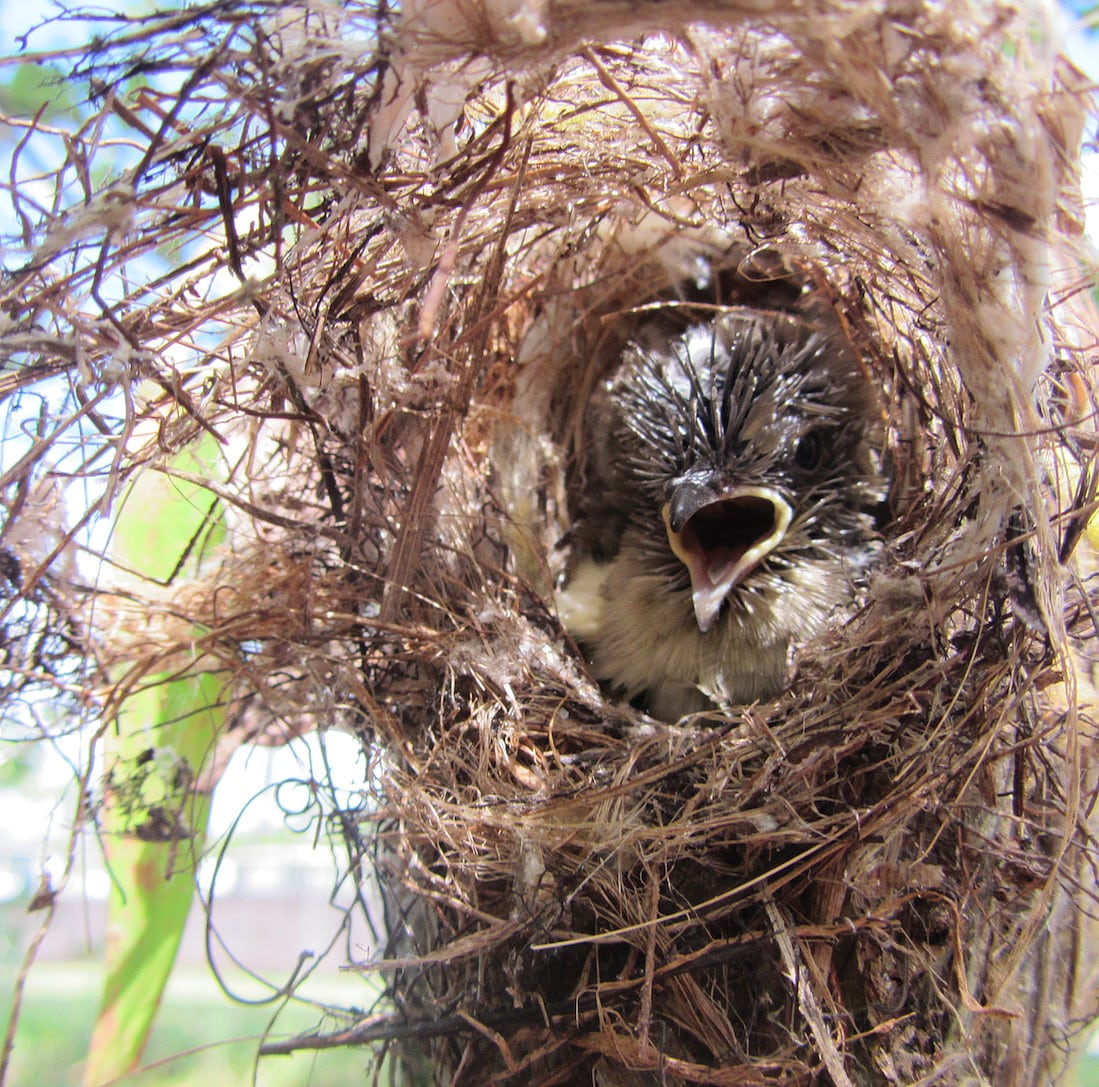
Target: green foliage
[
  {"x": 1087, "y": 1073},
  {"x": 202, "y": 1039},
  {"x": 16, "y": 766},
  {"x": 166, "y": 527},
  {"x": 155, "y": 814},
  {"x": 154, "y": 822},
  {"x": 29, "y": 87}
]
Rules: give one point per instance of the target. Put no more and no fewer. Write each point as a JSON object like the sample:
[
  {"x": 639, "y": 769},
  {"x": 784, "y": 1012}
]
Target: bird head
[{"x": 747, "y": 438}]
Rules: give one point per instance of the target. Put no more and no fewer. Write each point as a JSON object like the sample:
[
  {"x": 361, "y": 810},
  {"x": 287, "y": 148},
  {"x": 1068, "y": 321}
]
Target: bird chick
[{"x": 726, "y": 507}]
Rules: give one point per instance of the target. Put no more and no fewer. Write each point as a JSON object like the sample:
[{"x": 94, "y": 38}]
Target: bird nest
[{"x": 402, "y": 252}]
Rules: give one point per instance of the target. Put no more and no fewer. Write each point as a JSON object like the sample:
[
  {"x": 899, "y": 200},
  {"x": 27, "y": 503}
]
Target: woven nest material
[{"x": 883, "y": 876}]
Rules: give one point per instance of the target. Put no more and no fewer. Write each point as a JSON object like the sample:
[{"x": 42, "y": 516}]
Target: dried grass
[{"x": 885, "y": 875}]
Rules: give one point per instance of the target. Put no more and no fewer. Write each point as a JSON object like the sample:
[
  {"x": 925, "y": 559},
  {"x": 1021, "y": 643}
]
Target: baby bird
[{"x": 726, "y": 508}]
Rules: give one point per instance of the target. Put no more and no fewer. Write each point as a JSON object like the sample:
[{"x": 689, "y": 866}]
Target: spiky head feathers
[{"x": 756, "y": 399}]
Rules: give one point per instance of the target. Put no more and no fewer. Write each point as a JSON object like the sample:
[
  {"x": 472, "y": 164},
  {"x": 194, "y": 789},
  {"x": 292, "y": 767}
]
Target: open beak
[{"x": 721, "y": 537}]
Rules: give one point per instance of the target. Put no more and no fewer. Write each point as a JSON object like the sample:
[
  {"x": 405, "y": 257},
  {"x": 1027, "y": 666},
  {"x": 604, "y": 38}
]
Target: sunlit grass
[{"x": 200, "y": 1039}]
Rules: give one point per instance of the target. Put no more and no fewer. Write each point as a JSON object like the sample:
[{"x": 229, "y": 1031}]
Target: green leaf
[
  {"x": 166, "y": 526},
  {"x": 154, "y": 823},
  {"x": 30, "y": 86},
  {"x": 16, "y": 766},
  {"x": 154, "y": 814}
]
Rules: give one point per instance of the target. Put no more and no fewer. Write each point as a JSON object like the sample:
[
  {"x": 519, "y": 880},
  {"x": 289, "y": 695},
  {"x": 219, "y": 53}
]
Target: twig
[{"x": 807, "y": 999}]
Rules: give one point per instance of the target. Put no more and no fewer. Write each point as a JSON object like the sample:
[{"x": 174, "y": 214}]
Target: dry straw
[{"x": 397, "y": 251}]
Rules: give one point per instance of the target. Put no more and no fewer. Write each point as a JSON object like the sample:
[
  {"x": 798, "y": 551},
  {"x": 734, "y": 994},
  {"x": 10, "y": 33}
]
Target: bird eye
[{"x": 810, "y": 453}]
